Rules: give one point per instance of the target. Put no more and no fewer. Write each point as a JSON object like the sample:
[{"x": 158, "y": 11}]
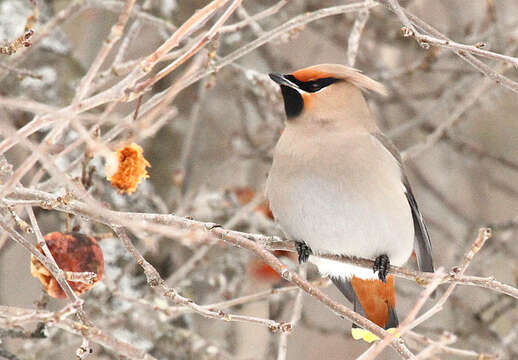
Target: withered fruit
[{"x": 73, "y": 252}]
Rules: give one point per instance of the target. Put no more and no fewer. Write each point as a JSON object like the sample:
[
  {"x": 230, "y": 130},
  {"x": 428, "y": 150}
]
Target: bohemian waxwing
[{"x": 337, "y": 186}]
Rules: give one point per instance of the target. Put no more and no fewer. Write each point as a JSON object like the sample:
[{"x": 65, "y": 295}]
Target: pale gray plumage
[{"x": 337, "y": 184}]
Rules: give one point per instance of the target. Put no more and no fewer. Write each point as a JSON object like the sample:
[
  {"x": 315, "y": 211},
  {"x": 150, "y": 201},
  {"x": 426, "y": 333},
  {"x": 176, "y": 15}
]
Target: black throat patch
[{"x": 293, "y": 102}]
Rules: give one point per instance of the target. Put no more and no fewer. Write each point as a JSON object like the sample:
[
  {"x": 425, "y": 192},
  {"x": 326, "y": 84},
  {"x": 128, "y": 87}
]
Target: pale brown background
[{"x": 457, "y": 191}]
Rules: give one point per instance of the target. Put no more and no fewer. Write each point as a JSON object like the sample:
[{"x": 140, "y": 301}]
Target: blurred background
[{"x": 210, "y": 150}]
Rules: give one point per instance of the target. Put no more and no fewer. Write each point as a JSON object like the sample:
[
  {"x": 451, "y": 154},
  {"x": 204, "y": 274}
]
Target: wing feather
[{"x": 422, "y": 243}]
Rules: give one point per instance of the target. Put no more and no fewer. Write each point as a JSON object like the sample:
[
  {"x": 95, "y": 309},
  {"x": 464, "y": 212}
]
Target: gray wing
[
  {"x": 422, "y": 244},
  {"x": 346, "y": 288}
]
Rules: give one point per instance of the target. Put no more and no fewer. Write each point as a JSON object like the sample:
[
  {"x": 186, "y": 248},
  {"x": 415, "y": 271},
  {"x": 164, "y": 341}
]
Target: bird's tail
[{"x": 372, "y": 299}]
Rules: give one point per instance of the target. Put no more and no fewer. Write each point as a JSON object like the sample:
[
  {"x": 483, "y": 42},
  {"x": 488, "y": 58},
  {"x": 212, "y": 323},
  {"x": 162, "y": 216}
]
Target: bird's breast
[{"x": 342, "y": 196}]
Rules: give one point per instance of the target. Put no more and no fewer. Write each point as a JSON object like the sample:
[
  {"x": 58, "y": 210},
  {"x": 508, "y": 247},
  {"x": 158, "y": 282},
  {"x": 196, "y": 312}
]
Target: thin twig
[
  {"x": 411, "y": 322},
  {"x": 13, "y": 316},
  {"x": 295, "y": 317},
  {"x": 114, "y": 36},
  {"x": 155, "y": 281},
  {"x": 172, "y": 226},
  {"x": 354, "y": 37},
  {"x": 464, "y": 52}
]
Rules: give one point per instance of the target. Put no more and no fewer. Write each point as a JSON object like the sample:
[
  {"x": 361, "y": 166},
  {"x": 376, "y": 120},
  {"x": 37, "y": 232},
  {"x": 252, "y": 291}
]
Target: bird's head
[{"x": 325, "y": 92}]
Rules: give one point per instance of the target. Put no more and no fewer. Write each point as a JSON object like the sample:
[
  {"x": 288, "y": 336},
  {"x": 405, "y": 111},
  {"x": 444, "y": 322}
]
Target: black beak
[{"x": 281, "y": 80}]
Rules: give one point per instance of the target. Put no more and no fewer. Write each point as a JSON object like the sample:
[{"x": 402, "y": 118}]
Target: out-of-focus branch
[
  {"x": 442, "y": 347},
  {"x": 483, "y": 235},
  {"x": 254, "y": 18},
  {"x": 23, "y": 40},
  {"x": 147, "y": 18},
  {"x": 233, "y": 237},
  {"x": 49, "y": 263},
  {"x": 246, "y": 299},
  {"x": 243, "y": 240},
  {"x": 73, "y": 8},
  {"x": 176, "y": 226},
  {"x": 21, "y": 73},
  {"x": 119, "y": 92},
  {"x": 410, "y": 321},
  {"x": 190, "y": 145},
  {"x": 470, "y": 147},
  {"x": 155, "y": 281},
  {"x": 208, "y": 36},
  {"x": 463, "y": 51},
  {"x": 114, "y": 36},
  {"x": 411, "y": 31},
  {"x": 295, "y": 317},
  {"x": 18, "y": 317},
  {"x": 354, "y": 37},
  {"x": 59, "y": 137},
  {"x": 200, "y": 253},
  {"x": 471, "y": 98},
  {"x": 47, "y": 259}
]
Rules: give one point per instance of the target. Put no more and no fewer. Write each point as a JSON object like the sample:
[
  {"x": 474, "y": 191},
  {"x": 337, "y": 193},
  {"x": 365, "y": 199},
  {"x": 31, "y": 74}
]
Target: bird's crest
[{"x": 342, "y": 72}]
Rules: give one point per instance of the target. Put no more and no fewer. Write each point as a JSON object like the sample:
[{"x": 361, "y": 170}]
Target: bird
[{"x": 337, "y": 186}]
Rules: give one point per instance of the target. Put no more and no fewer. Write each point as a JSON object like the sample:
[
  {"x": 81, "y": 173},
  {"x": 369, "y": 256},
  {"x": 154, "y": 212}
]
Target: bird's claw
[
  {"x": 382, "y": 266},
  {"x": 303, "y": 250}
]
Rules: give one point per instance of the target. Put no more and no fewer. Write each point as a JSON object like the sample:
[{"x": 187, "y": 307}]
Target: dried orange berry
[
  {"x": 246, "y": 194},
  {"x": 261, "y": 271},
  {"x": 127, "y": 168},
  {"x": 73, "y": 252}
]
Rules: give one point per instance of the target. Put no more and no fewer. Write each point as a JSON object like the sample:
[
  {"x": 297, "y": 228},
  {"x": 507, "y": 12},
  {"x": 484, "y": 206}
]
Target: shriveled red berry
[
  {"x": 74, "y": 252},
  {"x": 261, "y": 271}
]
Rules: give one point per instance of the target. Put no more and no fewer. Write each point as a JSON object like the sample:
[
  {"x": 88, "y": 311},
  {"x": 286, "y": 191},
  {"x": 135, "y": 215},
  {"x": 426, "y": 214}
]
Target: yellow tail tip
[{"x": 369, "y": 337}]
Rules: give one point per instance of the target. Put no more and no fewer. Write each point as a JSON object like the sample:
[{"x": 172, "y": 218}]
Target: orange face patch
[
  {"x": 310, "y": 74},
  {"x": 307, "y": 98}
]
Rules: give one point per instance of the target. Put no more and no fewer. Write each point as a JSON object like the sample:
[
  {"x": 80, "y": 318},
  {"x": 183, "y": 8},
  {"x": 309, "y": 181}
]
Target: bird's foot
[
  {"x": 382, "y": 266},
  {"x": 303, "y": 250}
]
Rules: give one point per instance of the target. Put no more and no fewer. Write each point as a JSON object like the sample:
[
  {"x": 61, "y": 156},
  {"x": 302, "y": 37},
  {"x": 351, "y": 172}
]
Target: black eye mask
[{"x": 311, "y": 86}]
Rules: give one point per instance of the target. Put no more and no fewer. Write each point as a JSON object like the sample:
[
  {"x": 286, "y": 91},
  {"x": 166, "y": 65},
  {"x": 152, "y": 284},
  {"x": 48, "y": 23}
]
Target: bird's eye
[{"x": 315, "y": 86}]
